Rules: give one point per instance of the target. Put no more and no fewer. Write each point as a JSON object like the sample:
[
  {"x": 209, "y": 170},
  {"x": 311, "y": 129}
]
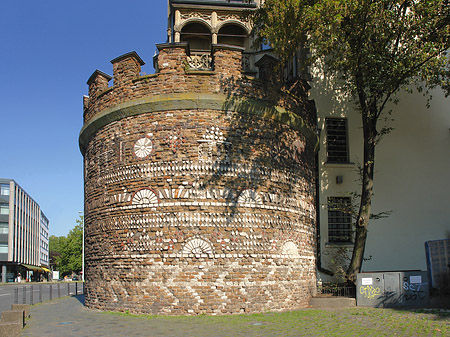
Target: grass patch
[{"x": 345, "y": 322}]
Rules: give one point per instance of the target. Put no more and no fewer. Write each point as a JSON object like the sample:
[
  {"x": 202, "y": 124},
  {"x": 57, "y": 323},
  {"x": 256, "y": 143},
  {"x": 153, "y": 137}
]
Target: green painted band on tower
[{"x": 194, "y": 101}]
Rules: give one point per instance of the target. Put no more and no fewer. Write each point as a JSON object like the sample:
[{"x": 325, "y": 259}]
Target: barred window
[
  {"x": 337, "y": 147},
  {"x": 339, "y": 220}
]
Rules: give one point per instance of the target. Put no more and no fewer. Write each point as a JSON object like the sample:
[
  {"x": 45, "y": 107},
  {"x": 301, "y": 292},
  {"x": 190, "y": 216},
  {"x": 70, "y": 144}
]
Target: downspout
[{"x": 319, "y": 252}]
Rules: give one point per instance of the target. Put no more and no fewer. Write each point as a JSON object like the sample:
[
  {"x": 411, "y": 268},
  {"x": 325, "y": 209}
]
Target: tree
[
  {"x": 376, "y": 48},
  {"x": 66, "y": 252},
  {"x": 56, "y": 244}
]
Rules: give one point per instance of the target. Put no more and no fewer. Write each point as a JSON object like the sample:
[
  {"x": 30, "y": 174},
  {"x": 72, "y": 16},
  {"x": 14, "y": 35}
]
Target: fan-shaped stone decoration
[
  {"x": 197, "y": 246},
  {"x": 250, "y": 196},
  {"x": 145, "y": 197},
  {"x": 290, "y": 249},
  {"x": 143, "y": 147}
]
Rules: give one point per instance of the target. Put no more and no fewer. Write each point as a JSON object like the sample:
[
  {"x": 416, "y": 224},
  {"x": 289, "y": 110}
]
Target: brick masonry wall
[{"x": 195, "y": 210}]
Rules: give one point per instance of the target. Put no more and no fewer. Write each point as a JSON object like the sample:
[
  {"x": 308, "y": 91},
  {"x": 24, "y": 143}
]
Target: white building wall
[
  {"x": 412, "y": 172},
  {"x": 26, "y": 226},
  {"x": 43, "y": 239}
]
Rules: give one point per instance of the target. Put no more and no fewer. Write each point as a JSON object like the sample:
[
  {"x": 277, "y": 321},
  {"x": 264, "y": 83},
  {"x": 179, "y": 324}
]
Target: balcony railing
[
  {"x": 237, "y": 2},
  {"x": 200, "y": 61}
]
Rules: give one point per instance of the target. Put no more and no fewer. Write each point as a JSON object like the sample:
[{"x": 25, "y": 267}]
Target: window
[
  {"x": 3, "y": 248},
  {"x": 339, "y": 220},
  {"x": 233, "y": 35},
  {"x": 4, "y": 189},
  {"x": 337, "y": 147},
  {"x": 198, "y": 36},
  {"x": 4, "y": 209},
  {"x": 4, "y": 228}
]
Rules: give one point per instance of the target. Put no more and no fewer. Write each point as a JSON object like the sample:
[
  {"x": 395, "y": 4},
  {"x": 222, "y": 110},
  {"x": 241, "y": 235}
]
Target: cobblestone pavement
[{"x": 68, "y": 317}]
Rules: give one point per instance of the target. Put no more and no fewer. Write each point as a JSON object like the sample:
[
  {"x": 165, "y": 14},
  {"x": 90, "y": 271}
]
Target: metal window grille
[
  {"x": 438, "y": 262},
  {"x": 337, "y": 147},
  {"x": 339, "y": 220}
]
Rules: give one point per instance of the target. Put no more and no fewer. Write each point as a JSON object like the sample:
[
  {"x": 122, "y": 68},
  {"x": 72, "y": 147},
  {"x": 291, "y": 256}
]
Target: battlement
[
  {"x": 225, "y": 72},
  {"x": 173, "y": 58}
]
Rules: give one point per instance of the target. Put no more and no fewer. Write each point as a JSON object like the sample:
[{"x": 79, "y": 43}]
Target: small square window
[
  {"x": 4, "y": 209},
  {"x": 4, "y": 228},
  {"x": 4, "y": 189}
]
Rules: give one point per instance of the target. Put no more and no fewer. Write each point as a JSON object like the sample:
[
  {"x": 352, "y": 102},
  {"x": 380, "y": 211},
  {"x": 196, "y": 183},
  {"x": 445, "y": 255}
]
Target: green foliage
[
  {"x": 66, "y": 251},
  {"x": 373, "y": 49},
  {"x": 377, "y": 47},
  {"x": 339, "y": 260}
]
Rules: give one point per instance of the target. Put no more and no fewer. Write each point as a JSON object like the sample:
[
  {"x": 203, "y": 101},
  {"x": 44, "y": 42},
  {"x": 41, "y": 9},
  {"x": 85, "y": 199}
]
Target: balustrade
[{"x": 200, "y": 61}]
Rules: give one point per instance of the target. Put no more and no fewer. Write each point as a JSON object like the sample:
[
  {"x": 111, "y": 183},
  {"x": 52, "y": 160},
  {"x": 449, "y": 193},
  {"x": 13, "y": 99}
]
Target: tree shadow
[
  {"x": 392, "y": 300},
  {"x": 267, "y": 156}
]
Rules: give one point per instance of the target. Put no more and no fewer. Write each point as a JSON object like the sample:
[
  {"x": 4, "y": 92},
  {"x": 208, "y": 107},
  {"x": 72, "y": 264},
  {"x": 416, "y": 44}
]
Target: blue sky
[{"x": 48, "y": 50}]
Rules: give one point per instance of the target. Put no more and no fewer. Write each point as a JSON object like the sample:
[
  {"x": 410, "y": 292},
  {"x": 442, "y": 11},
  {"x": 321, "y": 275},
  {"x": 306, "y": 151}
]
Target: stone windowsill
[
  {"x": 339, "y": 165},
  {"x": 199, "y": 72},
  {"x": 338, "y": 245}
]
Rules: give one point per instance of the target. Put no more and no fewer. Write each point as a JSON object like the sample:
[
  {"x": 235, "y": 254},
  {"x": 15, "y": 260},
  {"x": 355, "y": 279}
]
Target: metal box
[{"x": 392, "y": 289}]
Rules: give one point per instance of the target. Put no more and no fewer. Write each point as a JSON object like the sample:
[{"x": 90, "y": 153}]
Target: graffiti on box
[
  {"x": 369, "y": 291},
  {"x": 413, "y": 292}
]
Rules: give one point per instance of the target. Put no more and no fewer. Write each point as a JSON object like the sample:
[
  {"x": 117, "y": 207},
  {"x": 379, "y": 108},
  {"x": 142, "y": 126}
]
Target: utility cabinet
[{"x": 392, "y": 289}]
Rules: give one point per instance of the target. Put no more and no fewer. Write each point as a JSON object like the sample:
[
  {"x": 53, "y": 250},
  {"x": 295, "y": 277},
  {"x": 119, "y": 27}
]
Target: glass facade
[{"x": 23, "y": 227}]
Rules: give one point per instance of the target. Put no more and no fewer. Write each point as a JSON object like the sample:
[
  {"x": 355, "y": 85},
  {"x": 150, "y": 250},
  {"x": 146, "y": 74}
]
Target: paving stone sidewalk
[{"x": 68, "y": 317}]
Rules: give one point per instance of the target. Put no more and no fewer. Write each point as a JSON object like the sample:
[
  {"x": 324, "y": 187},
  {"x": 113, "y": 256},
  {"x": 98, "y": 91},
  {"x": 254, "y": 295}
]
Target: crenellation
[
  {"x": 126, "y": 68},
  {"x": 98, "y": 82},
  {"x": 227, "y": 60}
]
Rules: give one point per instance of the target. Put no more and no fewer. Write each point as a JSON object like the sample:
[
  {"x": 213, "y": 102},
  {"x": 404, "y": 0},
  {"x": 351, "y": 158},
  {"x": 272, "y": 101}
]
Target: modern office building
[{"x": 23, "y": 234}]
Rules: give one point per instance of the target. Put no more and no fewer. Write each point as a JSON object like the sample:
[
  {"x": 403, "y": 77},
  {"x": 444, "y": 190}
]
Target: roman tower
[{"x": 199, "y": 179}]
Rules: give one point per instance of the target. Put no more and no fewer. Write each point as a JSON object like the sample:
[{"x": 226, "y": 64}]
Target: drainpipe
[{"x": 319, "y": 252}]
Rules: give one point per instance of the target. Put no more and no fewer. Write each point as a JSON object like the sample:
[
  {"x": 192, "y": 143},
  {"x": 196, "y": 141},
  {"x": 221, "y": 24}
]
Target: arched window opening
[
  {"x": 198, "y": 36},
  {"x": 233, "y": 35}
]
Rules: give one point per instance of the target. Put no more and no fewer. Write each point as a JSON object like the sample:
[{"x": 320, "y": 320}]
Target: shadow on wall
[
  {"x": 327, "y": 89},
  {"x": 255, "y": 132}
]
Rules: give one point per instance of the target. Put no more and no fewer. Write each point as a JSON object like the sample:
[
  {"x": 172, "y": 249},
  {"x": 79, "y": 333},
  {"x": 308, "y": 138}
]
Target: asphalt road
[{"x": 32, "y": 293}]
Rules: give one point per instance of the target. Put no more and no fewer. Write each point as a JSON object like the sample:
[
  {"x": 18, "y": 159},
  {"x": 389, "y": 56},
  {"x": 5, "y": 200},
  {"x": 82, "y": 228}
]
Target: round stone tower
[{"x": 199, "y": 179}]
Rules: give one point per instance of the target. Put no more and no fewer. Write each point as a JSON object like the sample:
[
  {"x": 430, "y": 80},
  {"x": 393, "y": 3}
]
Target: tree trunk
[{"x": 362, "y": 221}]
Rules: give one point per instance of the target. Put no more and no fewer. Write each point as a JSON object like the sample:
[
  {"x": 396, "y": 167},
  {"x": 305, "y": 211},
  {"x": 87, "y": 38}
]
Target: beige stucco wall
[{"x": 411, "y": 179}]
